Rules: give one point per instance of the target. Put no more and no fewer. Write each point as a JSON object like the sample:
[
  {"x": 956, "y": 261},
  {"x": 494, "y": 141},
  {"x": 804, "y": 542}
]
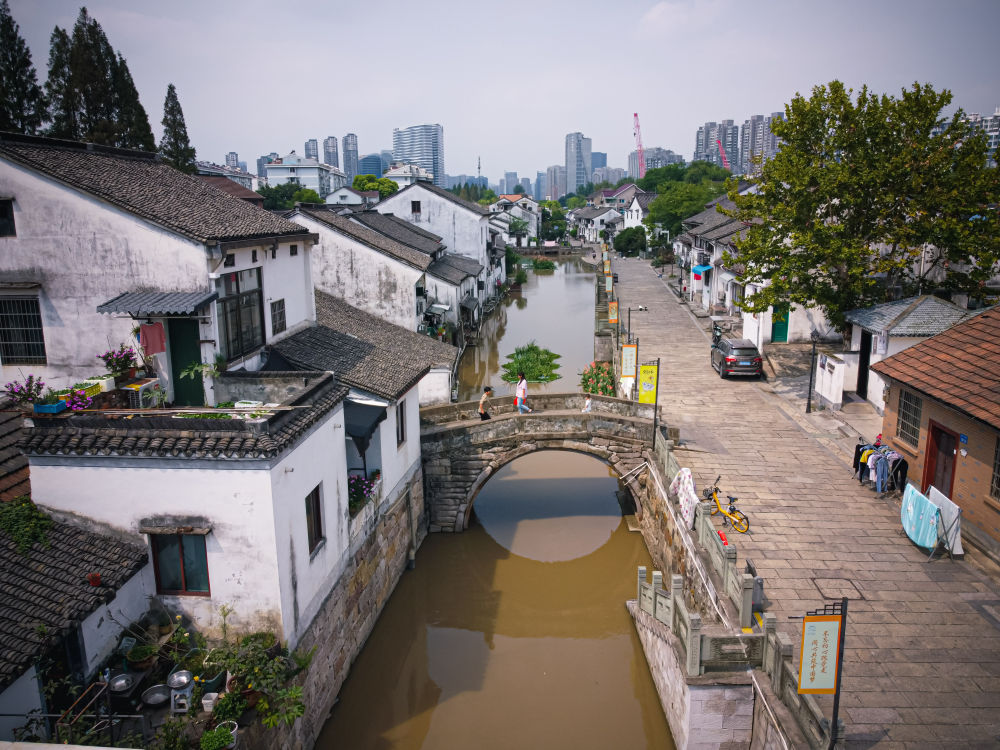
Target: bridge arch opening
[{"x": 550, "y": 505}]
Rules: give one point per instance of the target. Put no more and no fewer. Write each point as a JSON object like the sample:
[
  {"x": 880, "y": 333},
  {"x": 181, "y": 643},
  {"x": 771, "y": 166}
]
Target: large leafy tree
[
  {"x": 860, "y": 188},
  {"x": 63, "y": 98},
  {"x": 92, "y": 68},
  {"x": 22, "y": 102},
  {"x": 286, "y": 195},
  {"x": 630, "y": 241},
  {"x": 134, "y": 130},
  {"x": 175, "y": 146},
  {"x": 384, "y": 185},
  {"x": 679, "y": 200}
]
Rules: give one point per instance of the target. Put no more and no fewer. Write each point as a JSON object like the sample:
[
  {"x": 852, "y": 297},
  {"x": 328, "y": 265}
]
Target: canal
[{"x": 514, "y": 633}]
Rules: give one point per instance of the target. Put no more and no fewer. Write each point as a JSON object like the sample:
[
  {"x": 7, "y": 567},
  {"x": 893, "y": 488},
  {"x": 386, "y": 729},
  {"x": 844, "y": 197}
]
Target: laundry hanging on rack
[
  {"x": 951, "y": 520},
  {"x": 920, "y": 518}
]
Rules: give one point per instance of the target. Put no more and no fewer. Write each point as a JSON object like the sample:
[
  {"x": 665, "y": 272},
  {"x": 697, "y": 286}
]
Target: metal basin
[
  {"x": 121, "y": 683},
  {"x": 156, "y": 695},
  {"x": 180, "y": 679}
]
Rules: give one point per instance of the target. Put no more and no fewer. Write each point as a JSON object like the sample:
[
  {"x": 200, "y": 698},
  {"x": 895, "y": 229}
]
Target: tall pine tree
[
  {"x": 134, "y": 130},
  {"x": 22, "y": 103},
  {"x": 63, "y": 98},
  {"x": 175, "y": 146},
  {"x": 92, "y": 68}
]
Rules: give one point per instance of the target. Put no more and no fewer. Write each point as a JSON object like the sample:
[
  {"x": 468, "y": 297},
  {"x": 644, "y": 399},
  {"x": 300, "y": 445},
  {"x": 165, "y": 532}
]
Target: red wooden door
[{"x": 939, "y": 466}]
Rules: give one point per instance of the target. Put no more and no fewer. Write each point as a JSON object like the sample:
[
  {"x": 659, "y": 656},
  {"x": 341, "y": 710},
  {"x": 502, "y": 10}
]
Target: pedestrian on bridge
[
  {"x": 484, "y": 403},
  {"x": 521, "y": 394}
]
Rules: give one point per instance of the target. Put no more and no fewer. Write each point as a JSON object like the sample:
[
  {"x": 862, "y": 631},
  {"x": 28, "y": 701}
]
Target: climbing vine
[
  {"x": 24, "y": 523},
  {"x": 538, "y": 365}
]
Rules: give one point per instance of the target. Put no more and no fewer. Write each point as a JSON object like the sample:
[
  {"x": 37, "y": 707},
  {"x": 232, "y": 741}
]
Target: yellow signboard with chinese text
[
  {"x": 607, "y": 266},
  {"x": 819, "y": 654},
  {"x": 647, "y": 384},
  {"x": 629, "y": 354},
  {"x": 613, "y": 312},
  {"x": 608, "y": 283}
]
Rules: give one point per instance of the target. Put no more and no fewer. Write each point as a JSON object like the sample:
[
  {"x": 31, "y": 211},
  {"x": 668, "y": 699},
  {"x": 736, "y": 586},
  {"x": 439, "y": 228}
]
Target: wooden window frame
[
  {"x": 156, "y": 567},
  {"x": 278, "y": 314},
  {"x": 8, "y": 227},
  {"x": 314, "y": 518},
  {"x": 400, "y": 422}
]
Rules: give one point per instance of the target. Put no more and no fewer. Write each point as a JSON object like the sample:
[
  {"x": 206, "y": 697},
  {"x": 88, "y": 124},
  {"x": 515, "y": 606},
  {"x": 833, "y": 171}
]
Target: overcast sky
[{"x": 509, "y": 80}]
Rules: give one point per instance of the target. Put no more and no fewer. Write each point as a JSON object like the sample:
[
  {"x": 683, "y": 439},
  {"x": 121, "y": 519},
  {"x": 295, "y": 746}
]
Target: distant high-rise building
[
  {"x": 312, "y": 149},
  {"x": 539, "y": 186},
  {"x": 707, "y": 141},
  {"x": 598, "y": 159},
  {"x": 264, "y": 160},
  {"x": 242, "y": 166},
  {"x": 454, "y": 181},
  {"x": 422, "y": 145},
  {"x": 608, "y": 174},
  {"x": 526, "y": 184},
  {"x": 387, "y": 160},
  {"x": 350, "y": 144},
  {"x": 330, "y": 153},
  {"x": 655, "y": 157},
  {"x": 990, "y": 125},
  {"x": 370, "y": 164},
  {"x": 509, "y": 181},
  {"x": 578, "y": 164},
  {"x": 757, "y": 142},
  {"x": 555, "y": 181},
  {"x": 233, "y": 160}
]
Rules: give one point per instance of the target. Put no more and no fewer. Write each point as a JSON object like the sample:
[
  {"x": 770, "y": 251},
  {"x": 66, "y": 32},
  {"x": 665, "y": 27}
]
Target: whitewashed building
[
  {"x": 97, "y": 230},
  {"x": 348, "y": 196},
  {"x": 407, "y": 174},
  {"x": 520, "y": 207},
  {"x": 309, "y": 173}
]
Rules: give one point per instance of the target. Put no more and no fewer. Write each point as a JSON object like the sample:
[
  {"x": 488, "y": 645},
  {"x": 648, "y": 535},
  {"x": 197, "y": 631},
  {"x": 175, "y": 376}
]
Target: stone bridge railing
[{"x": 460, "y": 452}]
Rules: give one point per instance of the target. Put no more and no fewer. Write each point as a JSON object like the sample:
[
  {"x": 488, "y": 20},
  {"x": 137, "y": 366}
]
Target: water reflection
[
  {"x": 560, "y": 317},
  {"x": 482, "y": 646}
]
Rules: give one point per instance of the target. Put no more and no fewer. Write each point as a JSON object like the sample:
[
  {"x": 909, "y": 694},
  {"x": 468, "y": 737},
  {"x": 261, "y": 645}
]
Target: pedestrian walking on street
[
  {"x": 484, "y": 403},
  {"x": 521, "y": 394}
]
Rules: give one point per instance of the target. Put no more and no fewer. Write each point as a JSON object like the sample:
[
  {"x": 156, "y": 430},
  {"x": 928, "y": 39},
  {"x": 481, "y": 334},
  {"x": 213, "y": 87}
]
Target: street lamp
[
  {"x": 640, "y": 308},
  {"x": 812, "y": 370}
]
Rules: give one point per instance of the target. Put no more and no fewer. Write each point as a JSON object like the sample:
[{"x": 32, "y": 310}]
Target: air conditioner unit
[{"x": 140, "y": 395}]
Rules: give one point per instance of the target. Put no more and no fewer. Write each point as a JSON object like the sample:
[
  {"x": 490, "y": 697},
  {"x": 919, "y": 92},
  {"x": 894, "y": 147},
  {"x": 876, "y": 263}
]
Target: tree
[
  {"x": 92, "y": 73},
  {"x": 175, "y": 146},
  {"x": 518, "y": 228},
  {"x": 133, "y": 122},
  {"x": 63, "y": 98},
  {"x": 856, "y": 193},
  {"x": 630, "y": 241},
  {"x": 286, "y": 195},
  {"x": 22, "y": 101},
  {"x": 575, "y": 201},
  {"x": 518, "y": 190},
  {"x": 384, "y": 185},
  {"x": 677, "y": 201}
]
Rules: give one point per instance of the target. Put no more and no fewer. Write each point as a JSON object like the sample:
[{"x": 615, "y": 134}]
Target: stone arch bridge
[{"x": 460, "y": 452}]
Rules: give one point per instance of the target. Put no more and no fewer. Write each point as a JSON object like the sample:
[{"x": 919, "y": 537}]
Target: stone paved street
[{"x": 922, "y": 661}]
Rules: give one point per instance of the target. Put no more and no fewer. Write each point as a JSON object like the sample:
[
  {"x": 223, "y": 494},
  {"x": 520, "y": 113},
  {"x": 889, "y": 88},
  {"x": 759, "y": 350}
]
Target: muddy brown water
[
  {"x": 513, "y": 634},
  {"x": 555, "y": 309}
]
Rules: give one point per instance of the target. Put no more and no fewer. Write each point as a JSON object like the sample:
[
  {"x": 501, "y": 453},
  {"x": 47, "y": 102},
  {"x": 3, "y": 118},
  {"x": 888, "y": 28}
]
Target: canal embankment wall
[
  {"x": 723, "y": 672},
  {"x": 381, "y": 538}
]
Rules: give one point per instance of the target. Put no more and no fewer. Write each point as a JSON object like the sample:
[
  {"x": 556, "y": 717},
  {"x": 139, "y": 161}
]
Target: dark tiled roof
[
  {"x": 399, "y": 230},
  {"x": 165, "y": 437},
  {"x": 914, "y": 316},
  {"x": 158, "y": 303},
  {"x": 454, "y": 268},
  {"x": 14, "y": 479},
  {"x": 703, "y": 221},
  {"x": 234, "y": 188},
  {"x": 721, "y": 231},
  {"x": 960, "y": 367},
  {"x": 366, "y": 236},
  {"x": 140, "y": 184},
  {"x": 46, "y": 592},
  {"x": 364, "y": 351},
  {"x": 447, "y": 195},
  {"x": 645, "y": 199}
]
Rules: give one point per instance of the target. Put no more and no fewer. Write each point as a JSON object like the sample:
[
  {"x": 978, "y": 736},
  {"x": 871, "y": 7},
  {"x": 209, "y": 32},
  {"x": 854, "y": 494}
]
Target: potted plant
[
  {"x": 141, "y": 656},
  {"x": 50, "y": 403},
  {"x": 28, "y": 392},
  {"x": 223, "y": 736},
  {"x": 120, "y": 362},
  {"x": 229, "y": 707}
]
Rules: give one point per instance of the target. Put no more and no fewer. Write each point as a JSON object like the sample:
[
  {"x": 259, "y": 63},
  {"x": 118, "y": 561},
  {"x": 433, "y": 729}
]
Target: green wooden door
[
  {"x": 779, "y": 324},
  {"x": 185, "y": 351}
]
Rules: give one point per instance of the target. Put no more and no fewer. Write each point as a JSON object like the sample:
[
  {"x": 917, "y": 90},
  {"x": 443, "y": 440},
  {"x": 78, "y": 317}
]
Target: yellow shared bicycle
[{"x": 733, "y": 516}]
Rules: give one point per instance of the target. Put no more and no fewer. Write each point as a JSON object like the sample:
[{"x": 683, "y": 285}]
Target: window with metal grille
[
  {"x": 908, "y": 421},
  {"x": 314, "y": 518},
  {"x": 180, "y": 563},
  {"x": 7, "y": 228},
  {"x": 21, "y": 338},
  {"x": 995, "y": 484},
  {"x": 277, "y": 316}
]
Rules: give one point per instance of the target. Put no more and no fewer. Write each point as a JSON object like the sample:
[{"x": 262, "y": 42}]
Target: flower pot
[
  {"x": 234, "y": 728},
  {"x": 55, "y": 408}
]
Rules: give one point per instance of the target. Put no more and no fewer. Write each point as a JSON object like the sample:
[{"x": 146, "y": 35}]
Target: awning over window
[
  {"x": 701, "y": 269},
  {"x": 437, "y": 309},
  {"x": 470, "y": 303},
  {"x": 361, "y": 421},
  {"x": 153, "y": 304}
]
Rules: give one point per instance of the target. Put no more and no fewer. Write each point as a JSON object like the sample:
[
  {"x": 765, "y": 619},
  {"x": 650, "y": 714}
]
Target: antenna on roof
[{"x": 479, "y": 167}]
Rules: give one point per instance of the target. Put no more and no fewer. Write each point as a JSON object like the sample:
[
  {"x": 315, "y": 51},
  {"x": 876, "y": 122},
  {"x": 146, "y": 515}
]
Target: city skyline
[{"x": 883, "y": 45}]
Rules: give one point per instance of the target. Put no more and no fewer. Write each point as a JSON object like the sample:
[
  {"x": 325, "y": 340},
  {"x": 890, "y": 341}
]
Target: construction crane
[
  {"x": 722, "y": 153},
  {"x": 638, "y": 146}
]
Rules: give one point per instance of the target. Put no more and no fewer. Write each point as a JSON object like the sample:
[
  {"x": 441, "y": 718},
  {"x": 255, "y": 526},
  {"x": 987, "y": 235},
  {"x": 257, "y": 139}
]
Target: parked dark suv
[{"x": 736, "y": 357}]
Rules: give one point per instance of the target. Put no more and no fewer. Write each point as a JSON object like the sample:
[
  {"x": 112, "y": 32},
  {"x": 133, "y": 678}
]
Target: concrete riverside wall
[
  {"x": 346, "y": 619},
  {"x": 711, "y": 711}
]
